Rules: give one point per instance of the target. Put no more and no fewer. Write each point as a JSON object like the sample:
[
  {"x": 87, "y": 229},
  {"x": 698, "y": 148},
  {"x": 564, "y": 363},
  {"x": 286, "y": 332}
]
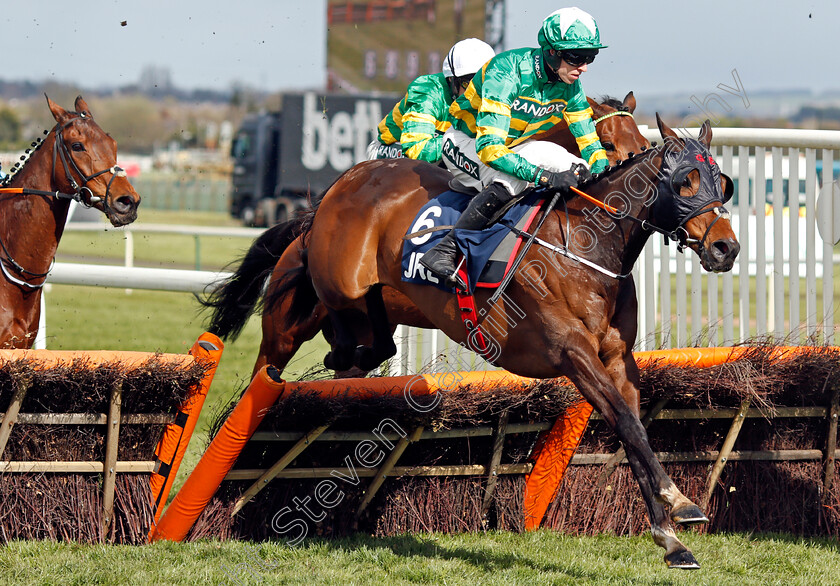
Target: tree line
[{"x": 140, "y": 123}]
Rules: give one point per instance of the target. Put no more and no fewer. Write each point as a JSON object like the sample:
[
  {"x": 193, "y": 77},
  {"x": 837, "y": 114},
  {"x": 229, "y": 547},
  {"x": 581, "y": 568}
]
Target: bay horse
[
  {"x": 562, "y": 315},
  {"x": 77, "y": 161},
  {"x": 273, "y": 254}
]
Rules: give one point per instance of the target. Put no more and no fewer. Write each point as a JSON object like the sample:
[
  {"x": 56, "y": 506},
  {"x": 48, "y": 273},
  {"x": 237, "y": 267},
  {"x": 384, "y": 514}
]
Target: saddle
[{"x": 488, "y": 254}]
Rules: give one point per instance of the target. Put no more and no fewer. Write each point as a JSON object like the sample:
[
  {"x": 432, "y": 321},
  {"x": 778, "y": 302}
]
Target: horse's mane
[
  {"x": 614, "y": 103},
  {"x": 612, "y": 169},
  {"x": 24, "y": 159}
]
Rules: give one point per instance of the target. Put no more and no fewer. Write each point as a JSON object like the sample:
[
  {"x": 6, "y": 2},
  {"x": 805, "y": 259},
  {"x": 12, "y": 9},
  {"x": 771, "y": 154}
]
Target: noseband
[{"x": 60, "y": 150}]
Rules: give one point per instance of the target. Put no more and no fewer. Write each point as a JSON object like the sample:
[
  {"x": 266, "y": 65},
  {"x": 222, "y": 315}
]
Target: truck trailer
[{"x": 284, "y": 161}]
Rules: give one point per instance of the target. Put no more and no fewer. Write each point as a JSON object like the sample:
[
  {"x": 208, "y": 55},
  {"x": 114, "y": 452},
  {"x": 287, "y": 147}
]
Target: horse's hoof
[
  {"x": 681, "y": 560},
  {"x": 689, "y": 515},
  {"x": 337, "y": 362},
  {"x": 366, "y": 358}
]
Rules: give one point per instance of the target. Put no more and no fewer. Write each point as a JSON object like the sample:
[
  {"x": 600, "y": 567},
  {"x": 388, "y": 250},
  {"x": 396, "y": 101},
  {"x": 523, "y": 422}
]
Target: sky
[{"x": 273, "y": 45}]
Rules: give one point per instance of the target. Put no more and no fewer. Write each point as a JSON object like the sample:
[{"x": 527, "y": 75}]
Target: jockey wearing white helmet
[{"x": 415, "y": 127}]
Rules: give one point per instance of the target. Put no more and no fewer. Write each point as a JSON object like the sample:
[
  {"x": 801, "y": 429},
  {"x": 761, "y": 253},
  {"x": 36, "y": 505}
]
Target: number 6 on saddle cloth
[{"x": 489, "y": 253}]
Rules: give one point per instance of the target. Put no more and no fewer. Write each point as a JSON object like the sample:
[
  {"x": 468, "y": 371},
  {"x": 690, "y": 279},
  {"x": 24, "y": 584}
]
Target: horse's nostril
[
  {"x": 723, "y": 249},
  {"x": 123, "y": 204}
]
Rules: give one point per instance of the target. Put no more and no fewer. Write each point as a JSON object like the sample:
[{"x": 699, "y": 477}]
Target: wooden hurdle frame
[
  {"x": 114, "y": 419},
  {"x": 568, "y": 431}
]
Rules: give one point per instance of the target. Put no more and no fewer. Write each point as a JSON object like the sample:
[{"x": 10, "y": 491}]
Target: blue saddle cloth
[{"x": 489, "y": 252}]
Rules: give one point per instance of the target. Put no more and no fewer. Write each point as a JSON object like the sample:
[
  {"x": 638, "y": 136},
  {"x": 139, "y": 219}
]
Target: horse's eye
[
  {"x": 608, "y": 146},
  {"x": 686, "y": 182},
  {"x": 77, "y": 146}
]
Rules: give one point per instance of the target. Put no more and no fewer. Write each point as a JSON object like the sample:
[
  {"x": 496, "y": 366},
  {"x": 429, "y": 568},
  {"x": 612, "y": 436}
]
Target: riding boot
[{"x": 480, "y": 212}]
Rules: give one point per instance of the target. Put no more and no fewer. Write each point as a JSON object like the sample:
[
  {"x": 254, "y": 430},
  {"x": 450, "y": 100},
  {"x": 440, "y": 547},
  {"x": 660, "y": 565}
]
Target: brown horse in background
[
  {"x": 238, "y": 297},
  {"x": 76, "y": 161},
  {"x": 560, "y": 316}
]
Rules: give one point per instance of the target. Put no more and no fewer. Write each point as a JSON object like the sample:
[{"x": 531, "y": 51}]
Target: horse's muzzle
[
  {"x": 123, "y": 210},
  {"x": 719, "y": 257}
]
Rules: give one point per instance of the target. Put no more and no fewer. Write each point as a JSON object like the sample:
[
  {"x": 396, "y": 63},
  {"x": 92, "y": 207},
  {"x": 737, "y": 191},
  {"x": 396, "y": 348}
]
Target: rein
[
  {"x": 679, "y": 234},
  {"x": 77, "y": 196},
  {"x": 673, "y": 235}
]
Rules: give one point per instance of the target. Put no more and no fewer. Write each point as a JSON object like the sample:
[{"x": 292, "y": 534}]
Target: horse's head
[
  {"x": 690, "y": 196},
  {"x": 617, "y": 129},
  {"x": 88, "y": 164}
]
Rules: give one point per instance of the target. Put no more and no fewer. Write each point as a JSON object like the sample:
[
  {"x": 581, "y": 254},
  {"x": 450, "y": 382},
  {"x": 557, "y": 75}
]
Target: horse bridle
[
  {"x": 669, "y": 187},
  {"x": 60, "y": 150},
  {"x": 680, "y": 234},
  {"x": 611, "y": 114}
]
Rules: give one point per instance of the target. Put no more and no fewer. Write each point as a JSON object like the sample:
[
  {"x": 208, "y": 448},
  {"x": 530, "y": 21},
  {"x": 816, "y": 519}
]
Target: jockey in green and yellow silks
[
  {"x": 417, "y": 123},
  {"x": 494, "y": 145},
  {"x": 415, "y": 127}
]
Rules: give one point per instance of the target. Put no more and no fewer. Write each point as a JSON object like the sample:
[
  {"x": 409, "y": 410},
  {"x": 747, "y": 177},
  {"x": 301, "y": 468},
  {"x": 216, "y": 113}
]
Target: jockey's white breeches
[{"x": 462, "y": 161}]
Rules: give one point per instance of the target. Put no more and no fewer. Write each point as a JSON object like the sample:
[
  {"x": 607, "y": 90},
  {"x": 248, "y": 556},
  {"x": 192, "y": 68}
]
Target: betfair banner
[{"x": 383, "y": 45}]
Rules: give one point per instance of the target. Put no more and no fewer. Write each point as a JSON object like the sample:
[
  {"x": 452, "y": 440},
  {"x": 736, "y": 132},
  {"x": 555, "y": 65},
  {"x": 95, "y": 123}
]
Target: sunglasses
[
  {"x": 465, "y": 83},
  {"x": 576, "y": 59}
]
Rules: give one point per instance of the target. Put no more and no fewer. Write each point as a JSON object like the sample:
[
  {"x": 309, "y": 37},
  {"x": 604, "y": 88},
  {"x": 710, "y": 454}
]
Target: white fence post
[{"x": 41, "y": 336}]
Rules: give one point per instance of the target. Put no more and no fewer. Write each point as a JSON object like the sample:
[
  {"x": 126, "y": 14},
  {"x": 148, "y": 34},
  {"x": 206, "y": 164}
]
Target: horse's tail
[{"x": 238, "y": 297}]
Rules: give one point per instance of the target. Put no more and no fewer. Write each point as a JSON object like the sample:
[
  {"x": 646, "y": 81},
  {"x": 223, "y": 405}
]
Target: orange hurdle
[
  {"x": 91, "y": 358},
  {"x": 551, "y": 458},
  {"x": 220, "y": 456},
  {"x": 176, "y": 436}
]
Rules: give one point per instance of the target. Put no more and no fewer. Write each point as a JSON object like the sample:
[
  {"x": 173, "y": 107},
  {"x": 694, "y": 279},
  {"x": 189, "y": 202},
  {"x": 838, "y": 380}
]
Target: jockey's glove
[
  {"x": 560, "y": 181},
  {"x": 582, "y": 172}
]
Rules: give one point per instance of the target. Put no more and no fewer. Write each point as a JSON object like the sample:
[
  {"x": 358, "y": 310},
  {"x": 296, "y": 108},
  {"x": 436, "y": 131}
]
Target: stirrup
[
  {"x": 455, "y": 281},
  {"x": 450, "y": 279}
]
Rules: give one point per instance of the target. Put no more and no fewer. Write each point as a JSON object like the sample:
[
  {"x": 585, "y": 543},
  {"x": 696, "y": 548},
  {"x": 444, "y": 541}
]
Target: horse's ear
[
  {"x": 59, "y": 113},
  {"x": 670, "y": 137},
  {"x": 629, "y": 102},
  {"x": 82, "y": 107},
  {"x": 706, "y": 133}
]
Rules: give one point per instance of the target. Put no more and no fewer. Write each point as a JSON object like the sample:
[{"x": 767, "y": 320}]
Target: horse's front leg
[
  {"x": 677, "y": 555},
  {"x": 617, "y": 357},
  {"x": 382, "y": 346},
  {"x": 589, "y": 374},
  {"x": 281, "y": 340}
]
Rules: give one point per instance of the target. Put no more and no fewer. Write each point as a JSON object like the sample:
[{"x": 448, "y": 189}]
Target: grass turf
[{"x": 492, "y": 558}]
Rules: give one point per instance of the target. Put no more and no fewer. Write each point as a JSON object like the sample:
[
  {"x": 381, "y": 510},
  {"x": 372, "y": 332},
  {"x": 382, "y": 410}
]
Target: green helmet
[{"x": 569, "y": 28}]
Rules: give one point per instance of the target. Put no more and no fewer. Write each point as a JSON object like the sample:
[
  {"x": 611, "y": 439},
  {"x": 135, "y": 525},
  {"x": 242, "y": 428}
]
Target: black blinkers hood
[{"x": 672, "y": 210}]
